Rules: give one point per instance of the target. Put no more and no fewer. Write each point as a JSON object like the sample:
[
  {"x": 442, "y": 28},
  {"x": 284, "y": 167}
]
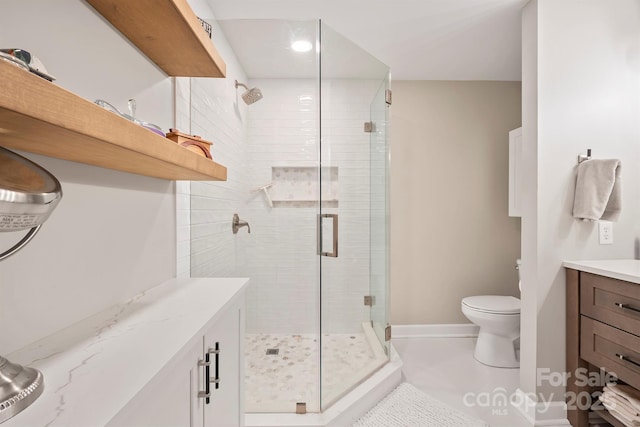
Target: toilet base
[{"x": 496, "y": 350}]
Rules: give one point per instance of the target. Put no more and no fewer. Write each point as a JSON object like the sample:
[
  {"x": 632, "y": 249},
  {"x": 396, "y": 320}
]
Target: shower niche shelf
[
  {"x": 298, "y": 186},
  {"x": 167, "y": 32},
  {"x": 40, "y": 117}
]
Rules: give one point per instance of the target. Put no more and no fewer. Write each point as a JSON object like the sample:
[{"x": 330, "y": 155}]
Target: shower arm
[{"x": 241, "y": 84}]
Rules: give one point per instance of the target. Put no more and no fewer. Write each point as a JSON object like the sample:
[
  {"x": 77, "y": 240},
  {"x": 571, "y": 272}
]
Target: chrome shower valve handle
[{"x": 236, "y": 223}]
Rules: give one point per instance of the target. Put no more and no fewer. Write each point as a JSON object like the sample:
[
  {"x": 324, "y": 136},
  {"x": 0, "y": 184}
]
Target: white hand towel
[
  {"x": 631, "y": 395},
  {"x": 622, "y": 418},
  {"x": 618, "y": 412},
  {"x": 598, "y": 190},
  {"x": 621, "y": 405}
]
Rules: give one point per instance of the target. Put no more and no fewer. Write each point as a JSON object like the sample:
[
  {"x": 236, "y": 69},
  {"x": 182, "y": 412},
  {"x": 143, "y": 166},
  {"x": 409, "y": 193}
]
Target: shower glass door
[
  {"x": 308, "y": 170},
  {"x": 352, "y": 220},
  {"x": 271, "y": 149}
]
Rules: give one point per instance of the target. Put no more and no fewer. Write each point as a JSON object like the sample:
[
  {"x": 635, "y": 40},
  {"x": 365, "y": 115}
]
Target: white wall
[
  {"x": 581, "y": 89},
  {"x": 529, "y": 220},
  {"x": 451, "y": 235},
  {"x": 113, "y": 234}
]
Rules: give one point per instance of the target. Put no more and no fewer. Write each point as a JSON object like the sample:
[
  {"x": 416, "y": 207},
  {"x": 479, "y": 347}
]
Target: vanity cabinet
[
  {"x": 603, "y": 338},
  {"x": 177, "y": 395},
  {"x": 141, "y": 363}
]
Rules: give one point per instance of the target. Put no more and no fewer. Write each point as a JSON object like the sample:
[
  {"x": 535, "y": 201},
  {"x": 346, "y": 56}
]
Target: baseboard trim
[
  {"x": 540, "y": 414},
  {"x": 463, "y": 330}
]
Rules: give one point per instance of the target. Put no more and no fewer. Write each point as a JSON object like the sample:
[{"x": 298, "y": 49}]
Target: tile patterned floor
[{"x": 274, "y": 383}]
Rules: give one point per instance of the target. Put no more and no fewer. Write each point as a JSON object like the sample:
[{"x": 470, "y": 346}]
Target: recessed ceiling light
[{"x": 301, "y": 46}]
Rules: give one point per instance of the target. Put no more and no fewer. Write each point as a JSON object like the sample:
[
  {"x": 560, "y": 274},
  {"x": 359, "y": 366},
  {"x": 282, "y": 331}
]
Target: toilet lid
[{"x": 493, "y": 304}]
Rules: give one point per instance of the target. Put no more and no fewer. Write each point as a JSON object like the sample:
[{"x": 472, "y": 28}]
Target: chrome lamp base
[{"x": 19, "y": 387}]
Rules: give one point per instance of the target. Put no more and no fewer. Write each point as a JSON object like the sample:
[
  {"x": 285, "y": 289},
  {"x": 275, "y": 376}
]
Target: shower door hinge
[
  {"x": 369, "y": 127},
  {"x": 387, "y": 96},
  {"x": 387, "y": 333},
  {"x": 369, "y": 300}
]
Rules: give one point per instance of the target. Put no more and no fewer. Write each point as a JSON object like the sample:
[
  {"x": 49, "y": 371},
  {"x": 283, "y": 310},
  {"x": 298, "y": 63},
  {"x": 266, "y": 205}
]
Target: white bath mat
[{"x": 407, "y": 406}]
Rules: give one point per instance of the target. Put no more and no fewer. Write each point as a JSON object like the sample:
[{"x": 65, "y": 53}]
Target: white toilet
[{"x": 499, "y": 320}]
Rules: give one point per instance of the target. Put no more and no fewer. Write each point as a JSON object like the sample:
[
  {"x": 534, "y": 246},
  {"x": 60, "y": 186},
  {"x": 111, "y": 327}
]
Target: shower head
[{"x": 250, "y": 95}]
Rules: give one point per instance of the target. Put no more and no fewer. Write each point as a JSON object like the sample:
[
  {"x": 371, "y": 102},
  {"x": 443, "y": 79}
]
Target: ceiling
[
  {"x": 417, "y": 39},
  {"x": 263, "y": 47}
]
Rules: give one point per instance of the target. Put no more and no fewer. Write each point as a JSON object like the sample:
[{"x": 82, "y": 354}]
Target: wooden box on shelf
[{"x": 191, "y": 142}]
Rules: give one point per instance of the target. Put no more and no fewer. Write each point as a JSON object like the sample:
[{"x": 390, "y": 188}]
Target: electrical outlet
[{"x": 605, "y": 229}]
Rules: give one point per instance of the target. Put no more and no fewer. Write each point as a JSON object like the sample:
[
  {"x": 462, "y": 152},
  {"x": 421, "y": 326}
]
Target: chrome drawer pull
[
  {"x": 628, "y": 307},
  {"x": 626, "y": 359}
]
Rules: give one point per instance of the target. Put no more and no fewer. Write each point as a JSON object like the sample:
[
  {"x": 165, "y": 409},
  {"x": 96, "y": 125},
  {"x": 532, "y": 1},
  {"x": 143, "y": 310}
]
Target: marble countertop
[
  {"x": 623, "y": 269},
  {"x": 93, "y": 368}
]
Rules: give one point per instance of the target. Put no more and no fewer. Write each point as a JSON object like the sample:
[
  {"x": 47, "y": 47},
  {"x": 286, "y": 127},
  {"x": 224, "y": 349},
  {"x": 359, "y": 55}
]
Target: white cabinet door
[
  {"x": 173, "y": 398},
  {"x": 226, "y": 405},
  {"x": 165, "y": 401}
]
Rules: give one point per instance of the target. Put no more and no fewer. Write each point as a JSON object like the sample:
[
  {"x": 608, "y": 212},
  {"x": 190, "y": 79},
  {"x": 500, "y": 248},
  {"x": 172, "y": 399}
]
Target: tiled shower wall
[
  {"x": 213, "y": 109},
  {"x": 280, "y": 253},
  {"x": 284, "y": 267},
  {"x": 215, "y": 250}
]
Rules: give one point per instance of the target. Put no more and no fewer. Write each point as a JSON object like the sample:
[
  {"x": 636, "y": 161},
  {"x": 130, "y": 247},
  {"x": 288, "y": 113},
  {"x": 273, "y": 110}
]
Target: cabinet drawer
[
  {"x": 600, "y": 299},
  {"x": 602, "y": 345}
]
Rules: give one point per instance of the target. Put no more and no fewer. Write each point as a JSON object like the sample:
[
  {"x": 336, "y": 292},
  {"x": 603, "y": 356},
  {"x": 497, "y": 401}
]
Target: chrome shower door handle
[{"x": 334, "y": 252}]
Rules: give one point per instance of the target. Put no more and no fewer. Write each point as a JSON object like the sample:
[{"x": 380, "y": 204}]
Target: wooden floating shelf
[
  {"x": 40, "y": 117},
  {"x": 167, "y": 32}
]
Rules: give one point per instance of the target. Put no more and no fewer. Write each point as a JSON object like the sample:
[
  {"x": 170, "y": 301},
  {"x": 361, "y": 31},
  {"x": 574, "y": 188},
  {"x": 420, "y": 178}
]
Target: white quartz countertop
[
  {"x": 93, "y": 368},
  {"x": 623, "y": 269}
]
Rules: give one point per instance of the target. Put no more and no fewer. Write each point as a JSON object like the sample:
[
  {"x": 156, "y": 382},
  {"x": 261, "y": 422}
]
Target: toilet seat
[{"x": 493, "y": 304}]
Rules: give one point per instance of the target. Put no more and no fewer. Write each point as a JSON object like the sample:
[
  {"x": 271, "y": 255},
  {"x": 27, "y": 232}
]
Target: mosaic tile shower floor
[{"x": 274, "y": 383}]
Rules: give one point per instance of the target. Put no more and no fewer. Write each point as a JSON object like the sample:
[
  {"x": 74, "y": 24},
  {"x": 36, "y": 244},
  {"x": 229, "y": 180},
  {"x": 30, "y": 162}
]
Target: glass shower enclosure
[{"x": 308, "y": 169}]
